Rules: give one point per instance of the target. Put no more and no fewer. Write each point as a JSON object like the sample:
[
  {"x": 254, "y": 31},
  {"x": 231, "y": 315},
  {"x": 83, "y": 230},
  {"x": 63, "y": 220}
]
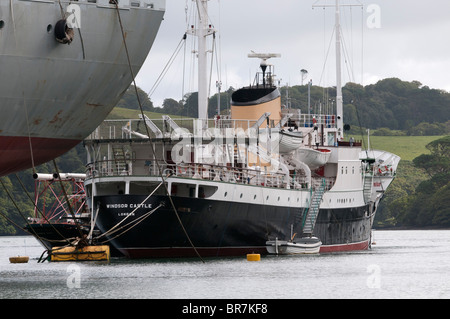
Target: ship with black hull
[
  {"x": 225, "y": 208},
  {"x": 229, "y": 186}
]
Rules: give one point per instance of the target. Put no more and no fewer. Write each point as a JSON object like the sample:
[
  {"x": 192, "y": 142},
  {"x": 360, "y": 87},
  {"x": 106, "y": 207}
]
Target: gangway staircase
[
  {"x": 367, "y": 187},
  {"x": 120, "y": 159},
  {"x": 310, "y": 217}
]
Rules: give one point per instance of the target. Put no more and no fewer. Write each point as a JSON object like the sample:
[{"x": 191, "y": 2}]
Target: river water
[{"x": 401, "y": 264}]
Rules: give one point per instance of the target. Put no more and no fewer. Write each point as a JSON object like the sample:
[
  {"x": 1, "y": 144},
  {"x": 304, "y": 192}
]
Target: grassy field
[
  {"x": 407, "y": 147},
  {"x": 122, "y": 113}
]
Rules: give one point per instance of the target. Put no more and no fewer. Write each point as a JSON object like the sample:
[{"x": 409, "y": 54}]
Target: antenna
[
  {"x": 304, "y": 73},
  {"x": 264, "y": 57}
]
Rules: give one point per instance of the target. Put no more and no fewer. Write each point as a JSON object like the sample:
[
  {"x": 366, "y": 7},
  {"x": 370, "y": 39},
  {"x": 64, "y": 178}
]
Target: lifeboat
[
  {"x": 313, "y": 157},
  {"x": 290, "y": 141}
]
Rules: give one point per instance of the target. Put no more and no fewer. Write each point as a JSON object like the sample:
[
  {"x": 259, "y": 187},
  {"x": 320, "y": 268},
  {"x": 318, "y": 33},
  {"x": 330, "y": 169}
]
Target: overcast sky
[{"x": 384, "y": 38}]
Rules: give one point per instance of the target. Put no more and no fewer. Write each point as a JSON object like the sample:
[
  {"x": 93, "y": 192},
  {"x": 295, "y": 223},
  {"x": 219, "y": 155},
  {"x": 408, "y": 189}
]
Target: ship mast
[
  {"x": 339, "y": 101},
  {"x": 202, "y": 59},
  {"x": 202, "y": 31}
]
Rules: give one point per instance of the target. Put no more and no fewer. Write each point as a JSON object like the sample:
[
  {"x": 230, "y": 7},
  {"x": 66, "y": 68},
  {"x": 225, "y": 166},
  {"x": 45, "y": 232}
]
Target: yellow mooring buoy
[
  {"x": 19, "y": 260},
  {"x": 93, "y": 253},
  {"x": 253, "y": 257}
]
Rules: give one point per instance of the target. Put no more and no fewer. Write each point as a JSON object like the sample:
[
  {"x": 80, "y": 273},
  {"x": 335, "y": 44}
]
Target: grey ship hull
[{"x": 53, "y": 95}]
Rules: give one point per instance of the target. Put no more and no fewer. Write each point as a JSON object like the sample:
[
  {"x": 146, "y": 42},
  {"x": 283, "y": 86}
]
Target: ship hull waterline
[
  {"x": 19, "y": 153},
  {"x": 219, "y": 228}
]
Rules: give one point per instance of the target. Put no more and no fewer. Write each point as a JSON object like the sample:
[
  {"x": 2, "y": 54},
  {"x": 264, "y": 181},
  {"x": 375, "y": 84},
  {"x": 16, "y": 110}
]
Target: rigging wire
[
  {"x": 362, "y": 45},
  {"x": 67, "y": 200},
  {"x": 21, "y": 80},
  {"x": 326, "y": 58},
  {"x": 212, "y": 63},
  {"x": 136, "y": 222},
  {"x": 148, "y": 133},
  {"x": 20, "y": 213},
  {"x": 348, "y": 63},
  {"x": 184, "y": 71},
  {"x": 29, "y": 137},
  {"x": 167, "y": 66},
  {"x": 348, "y": 56},
  {"x": 41, "y": 213},
  {"x": 130, "y": 214}
]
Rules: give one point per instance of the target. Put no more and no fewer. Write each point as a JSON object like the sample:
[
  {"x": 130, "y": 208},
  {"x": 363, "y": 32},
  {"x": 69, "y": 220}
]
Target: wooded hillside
[{"x": 391, "y": 104}]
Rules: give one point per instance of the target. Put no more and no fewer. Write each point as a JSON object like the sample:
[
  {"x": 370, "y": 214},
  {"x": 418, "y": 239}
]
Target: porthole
[
  {"x": 2, "y": 24},
  {"x": 49, "y": 28},
  {"x": 241, "y": 195},
  {"x": 254, "y": 197},
  {"x": 278, "y": 198},
  {"x": 267, "y": 198},
  {"x": 225, "y": 195}
]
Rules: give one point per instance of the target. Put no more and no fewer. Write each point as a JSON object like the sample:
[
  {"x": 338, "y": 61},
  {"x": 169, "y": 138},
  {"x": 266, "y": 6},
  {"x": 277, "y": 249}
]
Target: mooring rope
[
  {"x": 148, "y": 132},
  {"x": 20, "y": 213},
  {"x": 67, "y": 200},
  {"x": 130, "y": 214},
  {"x": 135, "y": 221},
  {"x": 42, "y": 214}
]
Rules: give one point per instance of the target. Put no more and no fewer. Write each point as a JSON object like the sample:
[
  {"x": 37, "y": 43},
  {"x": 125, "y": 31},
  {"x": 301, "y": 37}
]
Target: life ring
[
  {"x": 168, "y": 172},
  {"x": 63, "y": 33},
  {"x": 180, "y": 170}
]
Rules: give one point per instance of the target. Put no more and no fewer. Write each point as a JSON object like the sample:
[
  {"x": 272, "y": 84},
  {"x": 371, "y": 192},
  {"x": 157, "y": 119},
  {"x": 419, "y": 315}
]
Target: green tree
[
  {"x": 438, "y": 162},
  {"x": 427, "y": 206},
  {"x": 170, "y": 106},
  {"x": 130, "y": 101}
]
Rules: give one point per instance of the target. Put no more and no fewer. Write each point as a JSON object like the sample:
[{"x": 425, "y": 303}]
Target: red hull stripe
[
  {"x": 364, "y": 245},
  {"x": 15, "y": 152}
]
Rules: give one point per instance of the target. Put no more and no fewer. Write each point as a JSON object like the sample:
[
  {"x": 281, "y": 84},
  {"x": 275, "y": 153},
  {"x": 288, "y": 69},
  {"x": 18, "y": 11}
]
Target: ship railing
[
  {"x": 175, "y": 128},
  {"x": 251, "y": 176},
  {"x": 309, "y": 120},
  {"x": 135, "y": 128},
  {"x": 380, "y": 169},
  {"x": 145, "y": 4}
]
